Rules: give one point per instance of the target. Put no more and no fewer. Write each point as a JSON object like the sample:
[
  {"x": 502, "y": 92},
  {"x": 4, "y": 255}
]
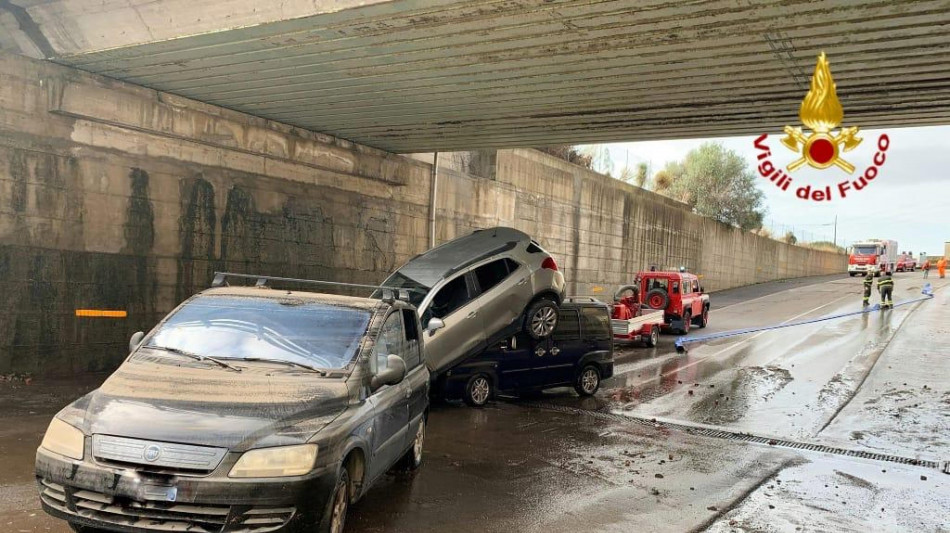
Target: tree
[
  {"x": 717, "y": 183},
  {"x": 790, "y": 238},
  {"x": 567, "y": 153},
  {"x": 626, "y": 175},
  {"x": 640, "y": 180},
  {"x": 600, "y": 158},
  {"x": 662, "y": 181}
]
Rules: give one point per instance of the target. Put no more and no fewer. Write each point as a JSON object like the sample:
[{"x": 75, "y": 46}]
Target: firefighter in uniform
[
  {"x": 886, "y": 286},
  {"x": 868, "y": 285}
]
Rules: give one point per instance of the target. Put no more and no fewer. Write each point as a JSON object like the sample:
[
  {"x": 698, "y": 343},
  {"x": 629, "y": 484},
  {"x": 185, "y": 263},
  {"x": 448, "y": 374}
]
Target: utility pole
[{"x": 836, "y": 231}]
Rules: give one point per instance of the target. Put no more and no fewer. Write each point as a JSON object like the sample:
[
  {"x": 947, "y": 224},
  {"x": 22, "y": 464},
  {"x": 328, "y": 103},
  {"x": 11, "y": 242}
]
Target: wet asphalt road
[{"x": 868, "y": 382}]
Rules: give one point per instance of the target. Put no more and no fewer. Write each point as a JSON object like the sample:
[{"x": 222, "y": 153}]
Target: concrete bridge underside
[{"x": 410, "y": 76}]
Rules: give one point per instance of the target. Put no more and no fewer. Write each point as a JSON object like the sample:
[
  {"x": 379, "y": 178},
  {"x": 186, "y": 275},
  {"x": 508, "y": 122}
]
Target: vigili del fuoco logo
[{"x": 822, "y": 148}]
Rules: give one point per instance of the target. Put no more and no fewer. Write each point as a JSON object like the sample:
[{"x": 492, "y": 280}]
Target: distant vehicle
[
  {"x": 906, "y": 263},
  {"x": 630, "y": 322},
  {"x": 578, "y": 354},
  {"x": 679, "y": 295},
  {"x": 245, "y": 409},
  {"x": 876, "y": 255},
  {"x": 480, "y": 288}
]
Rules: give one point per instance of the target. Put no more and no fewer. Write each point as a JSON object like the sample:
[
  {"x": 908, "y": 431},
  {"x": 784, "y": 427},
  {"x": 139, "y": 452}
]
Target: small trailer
[{"x": 631, "y": 322}]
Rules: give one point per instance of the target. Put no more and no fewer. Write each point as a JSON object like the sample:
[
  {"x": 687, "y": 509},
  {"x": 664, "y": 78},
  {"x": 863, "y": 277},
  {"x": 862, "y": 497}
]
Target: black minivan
[{"x": 578, "y": 354}]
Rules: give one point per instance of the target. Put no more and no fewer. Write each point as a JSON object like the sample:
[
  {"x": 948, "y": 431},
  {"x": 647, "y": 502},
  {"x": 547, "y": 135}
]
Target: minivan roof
[
  {"x": 368, "y": 304},
  {"x": 430, "y": 267}
]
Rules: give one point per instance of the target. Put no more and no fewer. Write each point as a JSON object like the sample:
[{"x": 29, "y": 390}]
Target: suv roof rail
[{"x": 389, "y": 294}]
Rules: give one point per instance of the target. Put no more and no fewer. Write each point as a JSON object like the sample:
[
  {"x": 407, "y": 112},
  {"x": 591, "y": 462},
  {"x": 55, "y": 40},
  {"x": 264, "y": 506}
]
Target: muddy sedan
[{"x": 246, "y": 409}]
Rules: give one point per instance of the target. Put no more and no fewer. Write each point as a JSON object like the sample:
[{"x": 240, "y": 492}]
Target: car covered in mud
[
  {"x": 479, "y": 288},
  {"x": 246, "y": 409}
]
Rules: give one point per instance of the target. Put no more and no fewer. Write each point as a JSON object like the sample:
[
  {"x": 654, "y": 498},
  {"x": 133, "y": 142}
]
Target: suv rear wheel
[
  {"x": 687, "y": 318},
  {"x": 541, "y": 319},
  {"x": 478, "y": 390},
  {"x": 588, "y": 381},
  {"x": 702, "y": 320}
]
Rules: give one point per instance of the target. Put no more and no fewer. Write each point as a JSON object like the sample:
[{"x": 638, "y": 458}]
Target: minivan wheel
[
  {"x": 588, "y": 381},
  {"x": 413, "y": 457},
  {"x": 334, "y": 516},
  {"x": 541, "y": 319},
  {"x": 478, "y": 390}
]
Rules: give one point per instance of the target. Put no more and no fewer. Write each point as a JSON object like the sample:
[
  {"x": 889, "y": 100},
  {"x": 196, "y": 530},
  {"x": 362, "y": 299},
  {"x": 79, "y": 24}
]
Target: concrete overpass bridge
[{"x": 411, "y": 76}]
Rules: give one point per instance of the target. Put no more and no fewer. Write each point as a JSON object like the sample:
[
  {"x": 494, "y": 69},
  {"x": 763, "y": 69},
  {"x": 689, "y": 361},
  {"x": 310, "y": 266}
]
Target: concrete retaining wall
[{"x": 118, "y": 197}]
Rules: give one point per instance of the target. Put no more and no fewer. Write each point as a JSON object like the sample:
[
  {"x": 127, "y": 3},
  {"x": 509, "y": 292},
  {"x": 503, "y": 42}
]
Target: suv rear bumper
[{"x": 126, "y": 500}]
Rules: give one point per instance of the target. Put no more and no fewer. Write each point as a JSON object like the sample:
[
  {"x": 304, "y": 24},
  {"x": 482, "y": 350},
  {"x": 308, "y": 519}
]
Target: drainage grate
[{"x": 746, "y": 437}]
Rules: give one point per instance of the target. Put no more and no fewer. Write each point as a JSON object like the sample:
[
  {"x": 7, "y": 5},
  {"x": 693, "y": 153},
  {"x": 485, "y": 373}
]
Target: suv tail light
[{"x": 549, "y": 263}]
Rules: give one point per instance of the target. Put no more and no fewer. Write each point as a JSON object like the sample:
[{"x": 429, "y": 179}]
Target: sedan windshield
[{"x": 294, "y": 330}]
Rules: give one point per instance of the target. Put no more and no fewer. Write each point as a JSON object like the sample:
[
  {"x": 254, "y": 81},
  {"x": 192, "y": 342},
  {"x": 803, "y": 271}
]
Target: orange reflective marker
[{"x": 101, "y": 313}]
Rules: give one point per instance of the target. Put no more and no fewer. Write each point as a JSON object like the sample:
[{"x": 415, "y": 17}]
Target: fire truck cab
[{"x": 875, "y": 255}]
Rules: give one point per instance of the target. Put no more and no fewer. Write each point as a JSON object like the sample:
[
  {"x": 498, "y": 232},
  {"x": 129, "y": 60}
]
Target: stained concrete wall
[{"x": 118, "y": 197}]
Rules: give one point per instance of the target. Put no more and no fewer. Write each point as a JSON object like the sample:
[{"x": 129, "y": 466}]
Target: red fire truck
[{"x": 876, "y": 255}]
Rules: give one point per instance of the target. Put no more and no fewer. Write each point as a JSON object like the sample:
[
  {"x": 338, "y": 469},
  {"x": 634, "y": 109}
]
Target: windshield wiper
[
  {"x": 196, "y": 357},
  {"x": 285, "y": 362}
]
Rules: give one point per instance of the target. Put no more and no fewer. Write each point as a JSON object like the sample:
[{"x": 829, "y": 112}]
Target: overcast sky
[{"x": 903, "y": 203}]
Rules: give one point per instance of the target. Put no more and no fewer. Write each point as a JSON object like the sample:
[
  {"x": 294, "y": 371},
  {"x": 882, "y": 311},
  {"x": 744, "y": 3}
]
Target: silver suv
[{"x": 476, "y": 289}]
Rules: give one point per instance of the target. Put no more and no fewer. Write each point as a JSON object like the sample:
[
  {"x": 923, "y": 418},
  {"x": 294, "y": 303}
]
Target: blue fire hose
[{"x": 927, "y": 292}]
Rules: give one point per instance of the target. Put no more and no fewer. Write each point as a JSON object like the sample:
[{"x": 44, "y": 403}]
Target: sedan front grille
[{"x": 163, "y": 516}]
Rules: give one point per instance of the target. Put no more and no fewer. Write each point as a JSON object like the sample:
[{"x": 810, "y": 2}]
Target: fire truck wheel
[
  {"x": 653, "y": 338},
  {"x": 657, "y": 299}
]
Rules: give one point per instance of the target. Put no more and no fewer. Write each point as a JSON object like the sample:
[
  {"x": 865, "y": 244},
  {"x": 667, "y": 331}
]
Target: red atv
[{"x": 679, "y": 295}]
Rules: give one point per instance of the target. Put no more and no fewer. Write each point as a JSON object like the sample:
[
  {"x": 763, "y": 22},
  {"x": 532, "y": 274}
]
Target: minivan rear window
[
  {"x": 239, "y": 327},
  {"x": 596, "y": 322}
]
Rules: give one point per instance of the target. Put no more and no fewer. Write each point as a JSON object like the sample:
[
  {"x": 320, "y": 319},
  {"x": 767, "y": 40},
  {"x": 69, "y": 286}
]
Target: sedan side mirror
[
  {"x": 434, "y": 325},
  {"x": 394, "y": 373},
  {"x": 136, "y": 340}
]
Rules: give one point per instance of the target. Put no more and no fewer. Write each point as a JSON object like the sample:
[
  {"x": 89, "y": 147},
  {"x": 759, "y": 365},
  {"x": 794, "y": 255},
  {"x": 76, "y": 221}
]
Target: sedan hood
[{"x": 211, "y": 406}]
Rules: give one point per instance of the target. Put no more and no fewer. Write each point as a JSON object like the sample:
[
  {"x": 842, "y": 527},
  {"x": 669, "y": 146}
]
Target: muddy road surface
[{"x": 835, "y": 426}]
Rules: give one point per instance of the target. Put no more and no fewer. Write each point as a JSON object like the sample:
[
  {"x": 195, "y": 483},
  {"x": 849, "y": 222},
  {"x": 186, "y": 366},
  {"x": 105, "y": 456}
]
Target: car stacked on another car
[
  {"x": 478, "y": 289},
  {"x": 246, "y": 409}
]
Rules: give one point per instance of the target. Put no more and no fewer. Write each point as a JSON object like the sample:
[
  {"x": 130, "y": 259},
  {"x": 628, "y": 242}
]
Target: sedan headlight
[
  {"x": 276, "y": 462},
  {"x": 63, "y": 439}
]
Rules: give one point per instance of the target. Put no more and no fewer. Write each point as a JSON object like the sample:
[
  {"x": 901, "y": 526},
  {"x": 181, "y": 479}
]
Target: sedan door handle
[
  {"x": 408, "y": 391},
  {"x": 473, "y": 314},
  {"x": 523, "y": 281}
]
